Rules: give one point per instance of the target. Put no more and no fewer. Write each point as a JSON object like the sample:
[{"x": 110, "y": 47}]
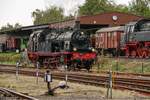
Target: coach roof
[{"x": 111, "y": 29}]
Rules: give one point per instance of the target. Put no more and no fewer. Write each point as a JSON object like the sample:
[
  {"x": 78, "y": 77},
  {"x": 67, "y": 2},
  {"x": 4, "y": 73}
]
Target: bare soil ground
[{"x": 76, "y": 91}]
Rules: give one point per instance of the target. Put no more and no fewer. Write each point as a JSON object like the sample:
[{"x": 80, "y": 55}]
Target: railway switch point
[{"x": 62, "y": 84}]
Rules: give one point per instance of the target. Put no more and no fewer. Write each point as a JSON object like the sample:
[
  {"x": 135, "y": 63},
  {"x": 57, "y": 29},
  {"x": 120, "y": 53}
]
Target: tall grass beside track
[
  {"x": 9, "y": 58},
  {"x": 122, "y": 65}
]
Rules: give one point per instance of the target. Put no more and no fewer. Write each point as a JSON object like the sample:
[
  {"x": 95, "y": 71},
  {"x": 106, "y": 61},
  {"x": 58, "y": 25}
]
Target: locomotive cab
[
  {"x": 126, "y": 36},
  {"x": 137, "y": 31},
  {"x": 129, "y": 29}
]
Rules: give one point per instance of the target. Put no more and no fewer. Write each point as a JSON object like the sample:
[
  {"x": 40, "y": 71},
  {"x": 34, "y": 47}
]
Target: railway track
[
  {"x": 129, "y": 58},
  {"x": 91, "y": 72},
  {"x": 7, "y": 94},
  {"x": 141, "y": 85}
]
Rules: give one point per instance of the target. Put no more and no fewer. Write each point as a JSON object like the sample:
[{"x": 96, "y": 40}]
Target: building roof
[
  {"x": 111, "y": 29},
  {"x": 86, "y": 22},
  {"x": 109, "y": 18},
  {"x": 33, "y": 27}
]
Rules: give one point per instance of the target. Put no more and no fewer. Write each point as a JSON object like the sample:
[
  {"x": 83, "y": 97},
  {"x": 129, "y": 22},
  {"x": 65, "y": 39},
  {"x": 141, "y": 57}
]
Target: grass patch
[
  {"x": 122, "y": 65},
  {"x": 9, "y": 58}
]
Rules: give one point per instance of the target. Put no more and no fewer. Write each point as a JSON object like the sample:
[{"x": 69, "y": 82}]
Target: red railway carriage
[{"x": 108, "y": 39}]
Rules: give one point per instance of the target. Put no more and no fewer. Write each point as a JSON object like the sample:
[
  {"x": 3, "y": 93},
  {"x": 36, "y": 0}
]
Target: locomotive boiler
[{"x": 52, "y": 47}]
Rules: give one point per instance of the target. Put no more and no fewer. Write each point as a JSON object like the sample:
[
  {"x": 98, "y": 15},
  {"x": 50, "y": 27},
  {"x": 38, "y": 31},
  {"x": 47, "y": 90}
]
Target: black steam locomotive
[{"x": 53, "y": 46}]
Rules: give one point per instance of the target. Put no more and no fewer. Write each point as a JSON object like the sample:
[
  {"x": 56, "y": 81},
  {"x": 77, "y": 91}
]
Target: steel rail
[{"x": 21, "y": 96}]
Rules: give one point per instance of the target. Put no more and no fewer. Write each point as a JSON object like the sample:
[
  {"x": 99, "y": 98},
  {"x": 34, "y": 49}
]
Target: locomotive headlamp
[
  {"x": 82, "y": 33},
  {"x": 74, "y": 49},
  {"x": 93, "y": 49}
]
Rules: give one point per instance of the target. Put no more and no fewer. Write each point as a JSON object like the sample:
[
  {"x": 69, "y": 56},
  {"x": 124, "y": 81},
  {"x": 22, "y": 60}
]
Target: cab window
[{"x": 145, "y": 26}]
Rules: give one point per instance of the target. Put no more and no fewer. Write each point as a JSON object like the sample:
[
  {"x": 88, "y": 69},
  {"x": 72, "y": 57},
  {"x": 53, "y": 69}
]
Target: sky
[{"x": 13, "y": 11}]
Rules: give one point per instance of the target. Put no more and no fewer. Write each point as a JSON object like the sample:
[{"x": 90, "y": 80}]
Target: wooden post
[
  {"x": 117, "y": 67},
  {"x": 98, "y": 67},
  {"x": 110, "y": 82},
  {"x": 107, "y": 95},
  {"x": 142, "y": 67},
  {"x": 109, "y": 86}
]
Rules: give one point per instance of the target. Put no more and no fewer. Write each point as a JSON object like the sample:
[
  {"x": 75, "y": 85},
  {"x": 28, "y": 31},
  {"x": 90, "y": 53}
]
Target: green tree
[
  {"x": 121, "y": 8},
  {"x": 37, "y": 16},
  {"x": 92, "y": 7},
  {"x": 140, "y": 7},
  {"x": 10, "y": 27},
  {"x": 137, "y": 7},
  {"x": 49, "y": 15}
]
